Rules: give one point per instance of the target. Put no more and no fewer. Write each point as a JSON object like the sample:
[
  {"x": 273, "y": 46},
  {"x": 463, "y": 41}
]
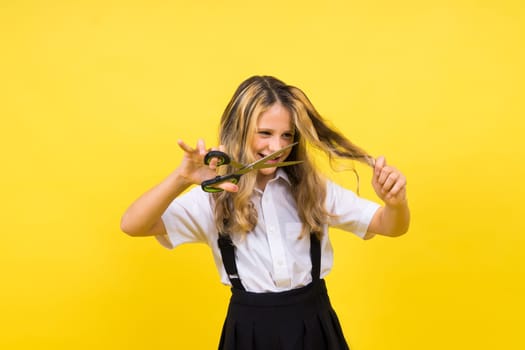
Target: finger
[
  {"x": 184, "y": 146},
  {"x": 384, "y": 174},
  {"x": 201, "y": 147},
  {"x": 226, "y": 186},
  {"x": 398, "y": 187},
  {"x": 390, "y": 182},
  {"x": 213, "y": 163},
  {"x": 229, "y": 187},
  {"x": 379, "y": 165}
]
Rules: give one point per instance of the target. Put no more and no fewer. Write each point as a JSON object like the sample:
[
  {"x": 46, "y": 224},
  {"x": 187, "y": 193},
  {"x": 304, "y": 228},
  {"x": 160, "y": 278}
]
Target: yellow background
[{"x": 94, "y": 95}]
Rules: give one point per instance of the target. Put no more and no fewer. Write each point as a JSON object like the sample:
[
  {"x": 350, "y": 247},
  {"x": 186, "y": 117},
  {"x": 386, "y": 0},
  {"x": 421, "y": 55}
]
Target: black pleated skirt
[{"x": 300, "y": 319}]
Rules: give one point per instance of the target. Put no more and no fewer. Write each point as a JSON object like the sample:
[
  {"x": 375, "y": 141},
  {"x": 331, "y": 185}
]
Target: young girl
[{"x": 269, "y": 232}]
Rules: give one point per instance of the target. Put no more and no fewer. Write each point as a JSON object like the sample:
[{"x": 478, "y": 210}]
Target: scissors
[{"x": 224, "y": 159}]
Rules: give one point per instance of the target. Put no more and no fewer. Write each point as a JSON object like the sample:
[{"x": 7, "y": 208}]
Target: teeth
[{"x": 275, "y": 158}]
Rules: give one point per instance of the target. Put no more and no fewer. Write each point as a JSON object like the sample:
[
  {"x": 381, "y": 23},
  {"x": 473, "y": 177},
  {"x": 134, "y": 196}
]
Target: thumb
[{"x": 379, "y": 165}]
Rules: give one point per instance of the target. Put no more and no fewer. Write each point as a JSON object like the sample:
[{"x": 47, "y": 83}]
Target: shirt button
[{"x": 280, "y": 262}]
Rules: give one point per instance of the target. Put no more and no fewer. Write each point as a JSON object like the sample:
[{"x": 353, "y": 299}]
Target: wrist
[
  {"x": 397, "y": 204},
  {"x": 179, "y": 179}
]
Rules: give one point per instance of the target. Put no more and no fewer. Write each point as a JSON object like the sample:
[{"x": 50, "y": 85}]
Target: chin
[{"x": 268, "y": 171}]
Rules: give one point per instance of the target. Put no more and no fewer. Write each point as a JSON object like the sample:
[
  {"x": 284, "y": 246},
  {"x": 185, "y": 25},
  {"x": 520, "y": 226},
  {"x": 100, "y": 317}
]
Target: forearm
[
  {"x": 394, "y": 220},
  {"x": 143, "y": 215}
]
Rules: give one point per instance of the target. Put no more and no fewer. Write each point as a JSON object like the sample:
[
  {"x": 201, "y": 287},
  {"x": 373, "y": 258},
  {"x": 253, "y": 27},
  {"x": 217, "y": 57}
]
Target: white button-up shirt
[{"x": 271, "y": 258}]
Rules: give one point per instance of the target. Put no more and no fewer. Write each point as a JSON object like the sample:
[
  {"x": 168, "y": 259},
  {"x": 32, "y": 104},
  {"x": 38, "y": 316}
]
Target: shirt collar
[
  {"x": 283, "y": 175},
  {"x": 279, "y": 174}
]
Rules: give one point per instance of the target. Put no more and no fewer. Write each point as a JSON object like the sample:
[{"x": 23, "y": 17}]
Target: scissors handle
[
  {"x": 222, "y": 158},
  {"x": 207, "y": 185}
]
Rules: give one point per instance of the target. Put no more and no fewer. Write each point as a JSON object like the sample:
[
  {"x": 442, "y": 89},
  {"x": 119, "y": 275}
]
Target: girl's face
[{"x": 274, "y": 131}]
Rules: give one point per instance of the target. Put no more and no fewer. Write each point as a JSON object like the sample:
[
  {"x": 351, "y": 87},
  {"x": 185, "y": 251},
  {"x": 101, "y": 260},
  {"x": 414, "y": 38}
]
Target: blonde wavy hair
[{"x": 234, "y": 212}]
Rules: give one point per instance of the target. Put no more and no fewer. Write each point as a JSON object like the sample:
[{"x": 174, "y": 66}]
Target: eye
[
  {"x": 264, "y": 133},
  {"x": 288, "y": 136}
]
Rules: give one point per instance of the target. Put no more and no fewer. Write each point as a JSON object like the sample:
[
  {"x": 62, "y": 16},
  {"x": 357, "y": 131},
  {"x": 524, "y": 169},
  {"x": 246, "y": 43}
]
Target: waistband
[{"x": 289, "y": 297}]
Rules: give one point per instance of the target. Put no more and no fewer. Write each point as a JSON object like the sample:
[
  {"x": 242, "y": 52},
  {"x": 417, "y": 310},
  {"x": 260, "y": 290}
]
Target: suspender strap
[
  {"x": 228, "y": 259},
  {"x": 315, "y": 257}
]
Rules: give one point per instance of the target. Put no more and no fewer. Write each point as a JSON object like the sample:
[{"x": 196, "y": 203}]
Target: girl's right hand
[{"x": 193, "y": 169}]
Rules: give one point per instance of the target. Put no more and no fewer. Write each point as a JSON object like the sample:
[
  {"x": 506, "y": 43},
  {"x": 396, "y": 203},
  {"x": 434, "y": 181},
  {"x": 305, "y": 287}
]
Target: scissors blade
[
  {"x": 235, "y": 164},
  {"x": 278, "y": 165},
  {"x": 262, "y": 162}
]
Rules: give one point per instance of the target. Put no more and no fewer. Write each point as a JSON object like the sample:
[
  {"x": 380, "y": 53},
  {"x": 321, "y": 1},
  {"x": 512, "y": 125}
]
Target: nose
[{"x": 275, "y": 144}]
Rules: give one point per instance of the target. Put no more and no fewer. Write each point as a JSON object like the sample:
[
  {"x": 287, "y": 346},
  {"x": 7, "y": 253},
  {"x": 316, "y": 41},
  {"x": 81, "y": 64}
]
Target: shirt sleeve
[
  {"x": 188, "y": 219},
  {"x": 352, "y": 213}
]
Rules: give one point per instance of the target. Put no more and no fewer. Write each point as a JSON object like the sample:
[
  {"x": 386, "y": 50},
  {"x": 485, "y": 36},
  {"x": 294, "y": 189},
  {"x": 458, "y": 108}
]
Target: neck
[{"x": 262, "y": 180}]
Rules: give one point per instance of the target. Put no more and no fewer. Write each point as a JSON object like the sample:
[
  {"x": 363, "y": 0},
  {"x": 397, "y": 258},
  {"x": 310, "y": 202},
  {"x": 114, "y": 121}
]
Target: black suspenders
[
  {"x": 315, "y": 257},
  {"x": 228, "y": 259}
]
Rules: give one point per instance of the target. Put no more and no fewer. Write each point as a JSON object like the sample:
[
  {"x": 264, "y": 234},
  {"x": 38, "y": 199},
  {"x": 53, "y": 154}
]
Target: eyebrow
[{"x": 291, "y": 131}]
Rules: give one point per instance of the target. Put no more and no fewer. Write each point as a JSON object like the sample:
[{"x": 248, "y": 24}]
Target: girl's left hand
[{"x": 389, "y": 183}]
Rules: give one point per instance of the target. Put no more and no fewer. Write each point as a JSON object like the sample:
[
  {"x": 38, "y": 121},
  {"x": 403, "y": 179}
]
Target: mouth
[{"x": 275, "y": 159}]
